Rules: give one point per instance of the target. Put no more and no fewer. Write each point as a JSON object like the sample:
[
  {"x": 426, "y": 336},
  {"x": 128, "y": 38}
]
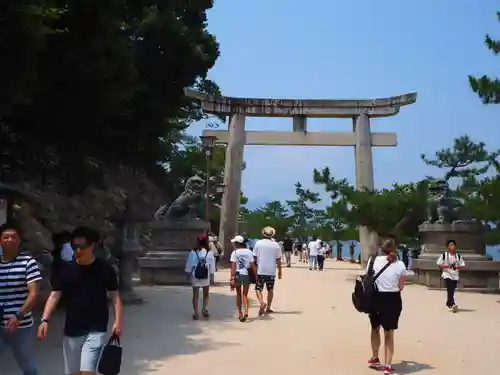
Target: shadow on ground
[
  {"x": 159, "y": 329},
  {"x": 410, "y": 367}
]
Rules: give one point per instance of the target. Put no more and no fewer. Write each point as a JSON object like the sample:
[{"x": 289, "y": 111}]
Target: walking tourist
[
  {"x": 305, "y": 253},
  {"x": 267, "y": 254},
  {"x": 352, "y": 249},
  {"x": 19, "y": 285},
  {"x": 199, "y": 266},
  {"x": 298, "y": 249},
  {"x": 321, "y": 249},
  {"x": 242, "y": 264},
  {"x": 84, "y": 285},
  {"x": 391, "y": 275},
  {"x": 451, "y": 262},
  {"x": 288, "y": 248},
  {"x": 312, "y": 251}
]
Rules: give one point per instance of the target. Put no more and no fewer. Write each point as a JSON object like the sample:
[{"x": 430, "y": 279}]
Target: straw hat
[{"x": 268, "y": 232}]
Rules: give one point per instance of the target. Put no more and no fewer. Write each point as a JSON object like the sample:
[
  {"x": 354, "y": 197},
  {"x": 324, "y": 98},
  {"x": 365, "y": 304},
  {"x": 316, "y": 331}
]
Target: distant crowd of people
[{"x": 82, "y": 283}]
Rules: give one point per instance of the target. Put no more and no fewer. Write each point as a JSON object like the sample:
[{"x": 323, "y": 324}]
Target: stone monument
[
  {"x": 173, "y": 235},
  {"x": 447, "y": 220}
]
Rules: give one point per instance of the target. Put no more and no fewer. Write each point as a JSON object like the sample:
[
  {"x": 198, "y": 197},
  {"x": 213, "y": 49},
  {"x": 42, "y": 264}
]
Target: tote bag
[{"x": 111, "y": 357}]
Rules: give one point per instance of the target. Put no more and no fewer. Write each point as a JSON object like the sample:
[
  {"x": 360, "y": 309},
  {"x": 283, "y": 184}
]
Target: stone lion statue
[
  {"x": 186, "y": 204},
  {"x": 442, "y": 207}
]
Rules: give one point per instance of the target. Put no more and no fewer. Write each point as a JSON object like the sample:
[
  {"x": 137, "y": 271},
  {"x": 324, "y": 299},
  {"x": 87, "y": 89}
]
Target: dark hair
[
  {"x": 240, "y": 245},
  {"x": 202, "y": 242},
  {"x": 90, "y": 235},
  {"x": 449, "y": 242},
  {"x": 11, "y": 225},
  {"x": 58, "y": 239}
]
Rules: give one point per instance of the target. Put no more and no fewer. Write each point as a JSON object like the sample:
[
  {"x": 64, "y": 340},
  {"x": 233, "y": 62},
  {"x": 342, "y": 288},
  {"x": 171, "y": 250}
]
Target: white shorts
[{"x": 82, "y": 353}]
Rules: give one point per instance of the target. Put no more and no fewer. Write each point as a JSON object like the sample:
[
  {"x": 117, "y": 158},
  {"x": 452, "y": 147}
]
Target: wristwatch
[{"x": 44, "y": 321}]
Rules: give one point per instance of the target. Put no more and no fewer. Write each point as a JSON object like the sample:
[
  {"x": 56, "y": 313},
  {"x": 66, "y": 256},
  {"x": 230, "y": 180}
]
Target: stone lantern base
[
  {"x": 480, "y": 273},
  {"x": 166, "y": 256}
]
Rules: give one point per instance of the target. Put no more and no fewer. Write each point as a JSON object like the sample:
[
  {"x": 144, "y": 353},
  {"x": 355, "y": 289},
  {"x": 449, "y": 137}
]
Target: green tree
[
  {"x": 274, "y": 214},
  {"x": 466, "y": 160},
  {"x": 81, "y": 98},
  {"x": 488, "y": 88},
  {"x": 302, "y": 212}
]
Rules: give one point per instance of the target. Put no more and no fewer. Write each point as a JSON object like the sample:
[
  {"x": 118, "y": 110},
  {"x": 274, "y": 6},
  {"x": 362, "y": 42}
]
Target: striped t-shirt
[{"x": 14, "y": 279}]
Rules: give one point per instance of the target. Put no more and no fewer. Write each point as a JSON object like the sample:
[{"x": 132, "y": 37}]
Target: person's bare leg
[
  {"x": 260, "y": 296},
  {"x": 245, "y": 298},
  {"x": 196, "y": 292},
  {"x": 375, "y": 342},
  {"x": 206, "y": 297},
  {"x": 238, "y": 300},
  {"x": 388, "y": 347},
  {"x": 270, "y": 296}
]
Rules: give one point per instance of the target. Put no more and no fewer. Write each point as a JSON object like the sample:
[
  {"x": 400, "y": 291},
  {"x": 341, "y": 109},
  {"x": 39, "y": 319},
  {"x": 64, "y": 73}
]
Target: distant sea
[{"x": 491, "y": 251}]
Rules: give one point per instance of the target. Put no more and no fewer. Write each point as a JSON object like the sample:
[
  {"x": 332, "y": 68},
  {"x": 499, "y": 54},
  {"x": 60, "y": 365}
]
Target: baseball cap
[{"x": 238, "y": 239}]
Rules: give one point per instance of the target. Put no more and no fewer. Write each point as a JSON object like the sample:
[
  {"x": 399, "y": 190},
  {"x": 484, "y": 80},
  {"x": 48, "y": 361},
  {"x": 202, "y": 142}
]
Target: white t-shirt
[
  {"x": 450, "y": 259},
  {"x": 192, "y": 261},
  {"x": 266, "y": 252},
  {"x": 313, "y": 248},
  {"x": 388, "y": 281},
  {"x": 243, "y": 259}
]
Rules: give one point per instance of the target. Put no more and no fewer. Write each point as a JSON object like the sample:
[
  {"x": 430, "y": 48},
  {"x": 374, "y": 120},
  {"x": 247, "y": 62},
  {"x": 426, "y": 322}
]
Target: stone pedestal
[
  {"x": 166, "y": 256},
  {"x": 479, "y": 274}
]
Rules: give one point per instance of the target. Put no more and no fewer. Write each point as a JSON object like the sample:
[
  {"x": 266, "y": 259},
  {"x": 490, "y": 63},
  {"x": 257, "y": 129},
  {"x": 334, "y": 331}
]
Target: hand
[
  {"x": 117, "y": 329},
  {"x": 232, "y": 284},
  {"x": 43, "y": 329},
  {"x": 12, "y": 324},
  {"x": 279, "y": 274}
]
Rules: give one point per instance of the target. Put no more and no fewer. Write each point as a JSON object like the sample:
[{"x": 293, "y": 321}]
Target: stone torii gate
[{"x": 362, "y": 139}]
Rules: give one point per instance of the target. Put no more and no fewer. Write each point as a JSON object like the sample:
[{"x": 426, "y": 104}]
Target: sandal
[
  {"x": 243, "y": 318},
  {"x": 196, "y": 316},
  {"x": 205, "y": 313},
  {"x": 269, "y": 311},
  {"x": 262, "y": 309}
]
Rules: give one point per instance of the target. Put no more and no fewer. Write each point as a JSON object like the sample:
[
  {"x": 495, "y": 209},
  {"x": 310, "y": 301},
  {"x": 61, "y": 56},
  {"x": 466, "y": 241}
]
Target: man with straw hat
[{"x": 267, "y": 253}]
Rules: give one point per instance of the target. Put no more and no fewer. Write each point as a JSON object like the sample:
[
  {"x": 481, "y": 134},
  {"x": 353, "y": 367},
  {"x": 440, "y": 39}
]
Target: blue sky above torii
[{"x": 356, "y": 49}]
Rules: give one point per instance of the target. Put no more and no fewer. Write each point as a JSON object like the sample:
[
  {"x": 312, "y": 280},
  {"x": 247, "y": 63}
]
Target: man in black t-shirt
[
  {"x": 85, "y": 284},
  {"x": 288, "y": 248}
]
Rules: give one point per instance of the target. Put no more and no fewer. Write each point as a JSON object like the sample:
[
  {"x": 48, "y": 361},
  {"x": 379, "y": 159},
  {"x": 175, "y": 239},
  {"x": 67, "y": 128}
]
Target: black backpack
[
  {"x": 201, "y": 270},
  {"x": 365, "y": 289}
]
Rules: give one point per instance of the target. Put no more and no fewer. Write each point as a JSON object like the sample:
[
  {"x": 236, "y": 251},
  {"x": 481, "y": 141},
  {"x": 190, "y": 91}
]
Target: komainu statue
[
  {"x": 186, "y": 205},
  {"x": 442, "y": 207}
]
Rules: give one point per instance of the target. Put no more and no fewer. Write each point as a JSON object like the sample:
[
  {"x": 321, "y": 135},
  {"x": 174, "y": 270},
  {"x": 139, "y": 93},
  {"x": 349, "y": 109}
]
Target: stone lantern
[{"x": 130, "y": 248}]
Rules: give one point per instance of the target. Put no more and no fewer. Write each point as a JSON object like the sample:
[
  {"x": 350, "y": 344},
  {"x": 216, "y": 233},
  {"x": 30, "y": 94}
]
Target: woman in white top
[
  {"x": 388, "y": 303},
  {"x": 200, "y": 265},
  {"x": 242, "y": 264}
]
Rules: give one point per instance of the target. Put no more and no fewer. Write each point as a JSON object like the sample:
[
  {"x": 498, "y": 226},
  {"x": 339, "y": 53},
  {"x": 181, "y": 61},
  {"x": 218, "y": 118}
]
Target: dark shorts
[
  {"x": 388, "y": 307},
  {"x": 242, "y": 279},
  {"x": 267, "y": 280}
]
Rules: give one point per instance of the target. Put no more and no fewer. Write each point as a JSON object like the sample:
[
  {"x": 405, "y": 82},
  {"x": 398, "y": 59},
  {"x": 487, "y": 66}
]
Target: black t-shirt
[
  {"x": 84, "y": 289},
  {"x": 288, "y": 245}
]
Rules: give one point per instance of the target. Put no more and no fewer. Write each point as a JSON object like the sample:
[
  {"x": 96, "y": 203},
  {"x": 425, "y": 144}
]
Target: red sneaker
[
  {"x": 374, "y": 362},
  {"x": 388, "y": 370}
]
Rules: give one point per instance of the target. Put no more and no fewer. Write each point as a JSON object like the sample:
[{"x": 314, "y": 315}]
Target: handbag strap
[{"x": 114, "y": 340}]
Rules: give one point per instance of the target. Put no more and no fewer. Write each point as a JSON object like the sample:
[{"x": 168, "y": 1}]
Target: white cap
[{"x": 238, "y": 239}]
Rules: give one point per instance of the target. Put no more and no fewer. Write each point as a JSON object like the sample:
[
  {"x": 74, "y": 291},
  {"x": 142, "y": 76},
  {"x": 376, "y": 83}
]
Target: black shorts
[
  {"x": 388, "y": 307},
  {"x": 267, "y": 280}
]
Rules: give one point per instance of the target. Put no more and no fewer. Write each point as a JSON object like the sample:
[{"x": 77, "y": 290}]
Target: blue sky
[{"x": 356, "y": 49}]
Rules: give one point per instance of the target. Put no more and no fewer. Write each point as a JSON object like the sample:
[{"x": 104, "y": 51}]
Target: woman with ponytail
[{"x": 388, "y": 303}]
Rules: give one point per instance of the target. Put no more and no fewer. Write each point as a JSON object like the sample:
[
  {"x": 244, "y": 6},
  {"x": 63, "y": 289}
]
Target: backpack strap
[{"x": 381, "y": 271}]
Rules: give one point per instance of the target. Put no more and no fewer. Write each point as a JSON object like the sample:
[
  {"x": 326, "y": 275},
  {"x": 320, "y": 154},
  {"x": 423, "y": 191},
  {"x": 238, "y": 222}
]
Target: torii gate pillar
[{"x": 232, "y": 180}]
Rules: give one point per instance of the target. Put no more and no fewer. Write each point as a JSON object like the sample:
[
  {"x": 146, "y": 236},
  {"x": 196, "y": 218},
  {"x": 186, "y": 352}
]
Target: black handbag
[{"x": 111, "y": 357}]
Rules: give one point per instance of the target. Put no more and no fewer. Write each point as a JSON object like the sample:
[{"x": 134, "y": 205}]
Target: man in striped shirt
[{"x": 19, "y": 279}]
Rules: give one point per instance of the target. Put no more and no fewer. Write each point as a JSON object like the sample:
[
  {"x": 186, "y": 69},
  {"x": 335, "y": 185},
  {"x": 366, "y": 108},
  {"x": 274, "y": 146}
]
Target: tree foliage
[
  {"x": 87, "y": 84},
  {"x": 488, "y": 88},
  {"x": 301, "y": 212}
]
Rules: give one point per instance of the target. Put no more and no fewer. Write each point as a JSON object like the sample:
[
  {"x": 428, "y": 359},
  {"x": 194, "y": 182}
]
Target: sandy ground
[{"x": 315, "y": 330}]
